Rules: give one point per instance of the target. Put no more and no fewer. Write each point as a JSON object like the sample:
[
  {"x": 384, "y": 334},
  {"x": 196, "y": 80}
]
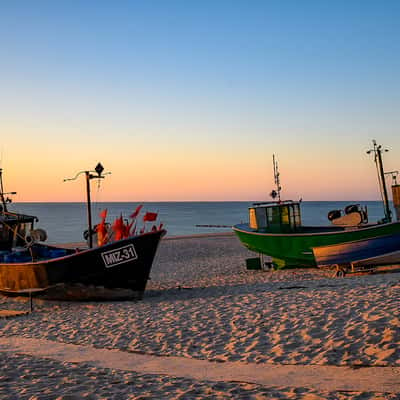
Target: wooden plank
[{"x": 12, "y": 313}]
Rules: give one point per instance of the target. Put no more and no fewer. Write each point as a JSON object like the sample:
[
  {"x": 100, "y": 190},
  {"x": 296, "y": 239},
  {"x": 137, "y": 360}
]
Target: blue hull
[{"x": 377, "y": 250}]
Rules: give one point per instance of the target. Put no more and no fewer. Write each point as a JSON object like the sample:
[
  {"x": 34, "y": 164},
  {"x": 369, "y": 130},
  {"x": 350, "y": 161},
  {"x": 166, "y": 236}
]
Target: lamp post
[{"x": 90, "y": 175}]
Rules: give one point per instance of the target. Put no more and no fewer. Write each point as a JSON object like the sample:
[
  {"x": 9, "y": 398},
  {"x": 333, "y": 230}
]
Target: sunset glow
[{"x": 182, "y": 104}]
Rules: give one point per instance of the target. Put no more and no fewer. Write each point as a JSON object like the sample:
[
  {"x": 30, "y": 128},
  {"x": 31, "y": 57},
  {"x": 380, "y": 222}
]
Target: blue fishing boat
[{"x": 359, "y": 254}]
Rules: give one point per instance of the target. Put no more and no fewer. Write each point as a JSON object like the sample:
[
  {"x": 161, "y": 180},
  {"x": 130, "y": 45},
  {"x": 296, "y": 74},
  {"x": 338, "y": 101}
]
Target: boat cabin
[
  {"x": 14, "y": 228},
  {"x": 283, "y": 216}
]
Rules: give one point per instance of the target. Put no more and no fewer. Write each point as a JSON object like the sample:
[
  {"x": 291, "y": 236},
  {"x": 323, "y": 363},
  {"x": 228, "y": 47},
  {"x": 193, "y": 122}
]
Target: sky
[{"x": 188, "y": 100}]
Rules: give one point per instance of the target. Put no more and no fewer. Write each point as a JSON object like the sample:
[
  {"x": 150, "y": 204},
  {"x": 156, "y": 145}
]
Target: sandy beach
[{"x": 209, "y": 328}]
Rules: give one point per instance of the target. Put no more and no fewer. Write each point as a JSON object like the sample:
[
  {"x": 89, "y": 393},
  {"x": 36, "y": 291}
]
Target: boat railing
[
  {"x": 18, "y": 216},
  {"x": 276, "y": 203}
]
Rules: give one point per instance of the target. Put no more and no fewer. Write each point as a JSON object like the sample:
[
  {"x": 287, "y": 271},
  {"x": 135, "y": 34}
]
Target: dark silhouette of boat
[
  {"x": 123, "y": 264},
  {"x": 29, "y": 266}
]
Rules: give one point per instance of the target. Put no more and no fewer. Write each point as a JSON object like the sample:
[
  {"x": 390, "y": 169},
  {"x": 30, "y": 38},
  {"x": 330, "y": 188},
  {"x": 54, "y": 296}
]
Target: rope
[
  {"x": 14, "y": 231},
  {"x": 97, "y": 195}
]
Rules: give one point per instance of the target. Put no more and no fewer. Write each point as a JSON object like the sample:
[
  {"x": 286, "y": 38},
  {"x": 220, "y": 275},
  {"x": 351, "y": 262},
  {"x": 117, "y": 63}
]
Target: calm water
[{"x": 65, "y": 222}]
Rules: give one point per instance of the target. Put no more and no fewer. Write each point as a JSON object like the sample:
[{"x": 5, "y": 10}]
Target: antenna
[
  {"x": 4, "y": 200},
  {"x": 277, "y": 192},
  {"x": 377, "y": 150}
]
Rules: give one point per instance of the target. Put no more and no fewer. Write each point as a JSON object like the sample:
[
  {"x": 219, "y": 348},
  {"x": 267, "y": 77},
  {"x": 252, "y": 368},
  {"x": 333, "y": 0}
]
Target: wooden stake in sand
[{"x": 15, "y": 313}]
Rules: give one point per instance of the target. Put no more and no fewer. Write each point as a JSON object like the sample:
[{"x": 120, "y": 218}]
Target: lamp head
[{"x": 99, "y": 169}]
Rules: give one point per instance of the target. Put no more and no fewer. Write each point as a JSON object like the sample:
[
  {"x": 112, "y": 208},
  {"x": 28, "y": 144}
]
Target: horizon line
[{"x": 190, "y": 201}]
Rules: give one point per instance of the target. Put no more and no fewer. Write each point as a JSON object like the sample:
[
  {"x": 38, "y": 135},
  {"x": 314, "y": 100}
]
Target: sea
[{"x": 66, "y": 222}]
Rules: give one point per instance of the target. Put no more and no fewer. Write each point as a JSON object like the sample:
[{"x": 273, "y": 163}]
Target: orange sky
[{"x": 191, "y": 174}]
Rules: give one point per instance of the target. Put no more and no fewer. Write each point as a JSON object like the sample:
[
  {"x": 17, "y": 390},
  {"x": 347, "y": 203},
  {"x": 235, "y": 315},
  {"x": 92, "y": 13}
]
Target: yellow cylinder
[{"x": 396, "y": 200}]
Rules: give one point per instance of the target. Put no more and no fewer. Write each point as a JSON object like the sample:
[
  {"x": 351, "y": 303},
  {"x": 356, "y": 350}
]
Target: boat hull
[
  {"x": 290, "y": 250},
  {"x": 124, "y": 264},
  {"x": 375, "y": 251}
]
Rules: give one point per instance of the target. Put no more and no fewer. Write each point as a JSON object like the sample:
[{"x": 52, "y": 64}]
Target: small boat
[
  {"x": 359, "y": 255},
  {"x": 123, "y": 263},
  {"x": 275, "y": 228}
]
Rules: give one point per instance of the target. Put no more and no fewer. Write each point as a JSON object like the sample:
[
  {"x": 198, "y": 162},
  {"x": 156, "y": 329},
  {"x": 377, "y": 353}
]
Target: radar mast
[{"x": 276, "y": 193}]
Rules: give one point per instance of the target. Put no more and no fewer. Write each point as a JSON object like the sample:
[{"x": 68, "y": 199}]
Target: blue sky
[{"x": 196, "y": 88}]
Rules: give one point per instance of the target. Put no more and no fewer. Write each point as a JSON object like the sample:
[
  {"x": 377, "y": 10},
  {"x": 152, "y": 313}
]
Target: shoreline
[{"x": 177, "y": 237}]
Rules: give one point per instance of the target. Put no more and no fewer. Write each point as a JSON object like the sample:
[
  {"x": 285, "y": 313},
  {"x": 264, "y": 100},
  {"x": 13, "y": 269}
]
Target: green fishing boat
[{"x": 275, "y": 227}]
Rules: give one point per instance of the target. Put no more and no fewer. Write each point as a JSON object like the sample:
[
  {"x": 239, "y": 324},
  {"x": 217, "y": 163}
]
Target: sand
[{"x": 202, "y": 305}]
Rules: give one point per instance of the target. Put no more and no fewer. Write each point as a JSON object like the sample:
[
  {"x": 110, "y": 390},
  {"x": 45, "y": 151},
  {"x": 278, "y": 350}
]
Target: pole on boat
[
  {"x": 381, "y": 177},
  {"x": 89, "y": 175},
  {"x": 89, "y": 208},
  {"x": 276, "y": 193},
  {"x": 4, "y": 200}
]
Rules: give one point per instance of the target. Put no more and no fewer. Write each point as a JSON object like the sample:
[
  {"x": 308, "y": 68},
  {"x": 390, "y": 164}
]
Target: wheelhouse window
[{"x": 283, "y": 217}]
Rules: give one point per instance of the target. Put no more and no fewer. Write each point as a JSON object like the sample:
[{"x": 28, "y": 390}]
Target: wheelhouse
[
  {"x": 14, "y": 228},
  {"x": 283, "y": 216}
]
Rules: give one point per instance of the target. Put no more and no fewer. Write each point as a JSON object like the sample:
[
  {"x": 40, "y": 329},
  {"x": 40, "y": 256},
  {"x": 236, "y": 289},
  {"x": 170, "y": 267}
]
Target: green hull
[{"x": 295, "y": 249}]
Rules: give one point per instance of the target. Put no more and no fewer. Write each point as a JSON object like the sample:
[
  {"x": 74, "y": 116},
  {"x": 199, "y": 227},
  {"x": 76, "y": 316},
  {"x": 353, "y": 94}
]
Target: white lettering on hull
[{"x": 119, "y": 256}]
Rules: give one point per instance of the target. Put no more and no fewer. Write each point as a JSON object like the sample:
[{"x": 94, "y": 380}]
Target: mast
[
  {"x": 89, "y": 207},
  {"x": 381, "y": 178},
  {"x": 4, "y": 200},
  {"x": 277, "y": 192},
  {"x": 88, "y": 175}
]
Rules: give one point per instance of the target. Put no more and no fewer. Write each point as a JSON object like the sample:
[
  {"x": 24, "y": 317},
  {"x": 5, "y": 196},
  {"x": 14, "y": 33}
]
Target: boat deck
[{"x": 300, "y": 230}]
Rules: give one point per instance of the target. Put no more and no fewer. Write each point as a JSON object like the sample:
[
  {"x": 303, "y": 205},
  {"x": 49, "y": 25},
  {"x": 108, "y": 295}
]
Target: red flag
[
  {"x": 129, "y": 229},
  {"x": 118, "y": 228},
  {"x": 125, "y": 231},
  {"x": 102, "y": 234},
  {"x": 150, "y": 216},
  {"x": 103, "y": 214},
  {"x": 136, "y": 212}
]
